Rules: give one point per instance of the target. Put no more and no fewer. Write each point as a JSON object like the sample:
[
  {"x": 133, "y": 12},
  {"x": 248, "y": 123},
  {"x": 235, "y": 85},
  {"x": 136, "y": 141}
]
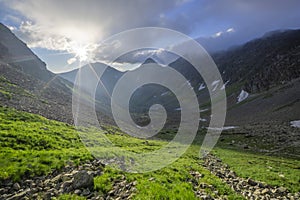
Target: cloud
[
  {"x": 71, "y": 61},
  {"x": 61, "y": 25}
]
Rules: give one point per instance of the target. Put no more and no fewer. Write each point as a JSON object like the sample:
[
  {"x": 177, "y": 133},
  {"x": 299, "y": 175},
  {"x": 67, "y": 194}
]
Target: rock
[
  {"x": 3, "y": 190},
  {"x": 56, "y": 178},
  {"x": 231, "y": 174},
  {"x": 206, "y": 197},
  {"x": 47, "y": 181},
  {"x": 66, "y": 186},
  {"x": 265, "y": 191},
  {"x": 28, "y": 182},
  {"x": 134, "y": 183},
  {"x": 151, "y": 179},
  {"x": 77, "y": 192},
  {"x": 19, "y": 195},
  {"x": 256, "y": 192},
  {"x": 281, "y": 190},
  {"x": 47, "y": 196},
  {"x": 85, "y": 192},
  {"x": 83, "y": 179},
  {"x": 251, "y": 182},
  {"x": 16, "y": 186}
]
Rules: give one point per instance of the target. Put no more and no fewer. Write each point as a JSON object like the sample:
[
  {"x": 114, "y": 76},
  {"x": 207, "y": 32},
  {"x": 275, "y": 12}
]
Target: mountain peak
[
  {"x": 149, "y": 60},
  {"x": 20, "y": 56}
]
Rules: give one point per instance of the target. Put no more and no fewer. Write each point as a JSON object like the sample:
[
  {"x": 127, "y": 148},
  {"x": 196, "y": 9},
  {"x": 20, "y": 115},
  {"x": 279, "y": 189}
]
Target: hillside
[
  {"x": 42, "y": 156},
  {"x": 45, "y": 159},
  {"x": 263, "y": 63},
  {"x": 26, "y": 84},
  {"x": 266, "y": 69}
]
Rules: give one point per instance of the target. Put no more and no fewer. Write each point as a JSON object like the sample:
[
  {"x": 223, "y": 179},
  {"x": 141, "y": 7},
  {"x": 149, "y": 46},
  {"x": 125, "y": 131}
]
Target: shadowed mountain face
[
  {"x": 26, "y": 84},
  {"x": 263, "y": 63},
  {"x": 16, "y": 53},
  {"x": 260, "y": 74}
]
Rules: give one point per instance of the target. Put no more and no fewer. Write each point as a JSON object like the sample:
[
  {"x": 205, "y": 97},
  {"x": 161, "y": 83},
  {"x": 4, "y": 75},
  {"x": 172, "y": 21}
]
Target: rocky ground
[
  {"x": 71, "y": 179},
  {"x": 79, "y": 180},
  {"x": 249, "y": 188},
  {"x": 270, "y": 139}
]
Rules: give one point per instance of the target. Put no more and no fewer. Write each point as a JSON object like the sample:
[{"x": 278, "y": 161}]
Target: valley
[{"x": 44, "y": 156}]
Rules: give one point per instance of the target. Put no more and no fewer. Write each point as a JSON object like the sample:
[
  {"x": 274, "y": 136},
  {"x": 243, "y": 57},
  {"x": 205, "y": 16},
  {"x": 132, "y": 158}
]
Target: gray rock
[
  {"x": 86, "y": 192},
  {"x": 66, "y": 186},
  {"x": 19, "y": 195},
  {"x": 16, "y": 186},
  {"x": 47, "y": 196},
  {"x": 265, "y": 191},
  {"x": 251, "y": 182},
  {"x": 281, "y": 190},
  {"x": 77, "y": 192},
  {"x": 83, "y": 179}
]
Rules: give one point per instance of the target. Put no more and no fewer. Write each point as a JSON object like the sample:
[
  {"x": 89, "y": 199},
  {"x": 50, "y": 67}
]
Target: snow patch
[
  {"x": 201, "y": 87},
  {"x": 178, "y": 109},
  {"x": 202, "y": 120},
  {"x": 215, "y": 84},
  {"x": 242, "y": 96},
  {"x": 223, "y": 86},
  {"x": 223, "y": 128},
  {"x": 165, "y": 93},
  {"x": 206, "y": 109},
  {"x": 295, "y": 123}
]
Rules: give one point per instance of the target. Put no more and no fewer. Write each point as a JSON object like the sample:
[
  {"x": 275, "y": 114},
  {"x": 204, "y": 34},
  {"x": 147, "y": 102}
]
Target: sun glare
[{"x": 81, "y": 52}]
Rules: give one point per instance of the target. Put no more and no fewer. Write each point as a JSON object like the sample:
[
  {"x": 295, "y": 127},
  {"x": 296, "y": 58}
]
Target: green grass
[
  {"x": 171, "y": 182},
  {"x": 271, "y": 170},
  {"x": 32, "y": 145}
]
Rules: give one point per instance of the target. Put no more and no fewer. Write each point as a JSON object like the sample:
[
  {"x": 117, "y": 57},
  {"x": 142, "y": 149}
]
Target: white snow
[
  {"x": 295, "y": 123},
  {"x": 188, "y": 82},
  {"x": 206, "y": 109},
  {"x": 223, "y": 86},
  {"x": 242, "y": 96},
  {"x": 223, "y": 128},
  {"x": 201, "y": 87},
  {"x": 215, "y": 84},
  {"x": 202, "y": 120},
  {"x": 178, "y": 109},
  {"x": 163, "y": 94}
]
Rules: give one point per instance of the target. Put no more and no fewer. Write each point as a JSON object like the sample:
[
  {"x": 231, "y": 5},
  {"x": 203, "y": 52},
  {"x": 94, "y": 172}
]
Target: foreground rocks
[
  {"x": 200, "y": 189},
  {"x": 249, "y": 188},
  {"x": 71, "y": 179}
]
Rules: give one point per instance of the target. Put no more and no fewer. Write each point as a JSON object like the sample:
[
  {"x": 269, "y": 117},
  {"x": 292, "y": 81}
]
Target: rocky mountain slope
[
  {"x": 26, "y": 84},
  {"x": 262, "y": 73},
  {"x": 263, "y": 63}
]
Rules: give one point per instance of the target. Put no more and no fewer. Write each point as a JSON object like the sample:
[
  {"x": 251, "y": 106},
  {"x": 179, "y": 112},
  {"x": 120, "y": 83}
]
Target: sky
[{"x": 66, "y": 34}]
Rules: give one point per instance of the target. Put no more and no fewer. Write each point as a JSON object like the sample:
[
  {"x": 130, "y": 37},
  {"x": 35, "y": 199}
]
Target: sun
[{"x": 81, "y": 52}]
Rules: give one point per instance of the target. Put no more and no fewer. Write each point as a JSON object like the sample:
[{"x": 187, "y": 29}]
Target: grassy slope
[
  {"x": 275, "y": 171},
  {"x": 32, "y": 145}
]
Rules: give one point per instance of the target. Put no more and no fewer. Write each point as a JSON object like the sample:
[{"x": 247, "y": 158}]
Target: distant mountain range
[{"x": 262, "y": 82}]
